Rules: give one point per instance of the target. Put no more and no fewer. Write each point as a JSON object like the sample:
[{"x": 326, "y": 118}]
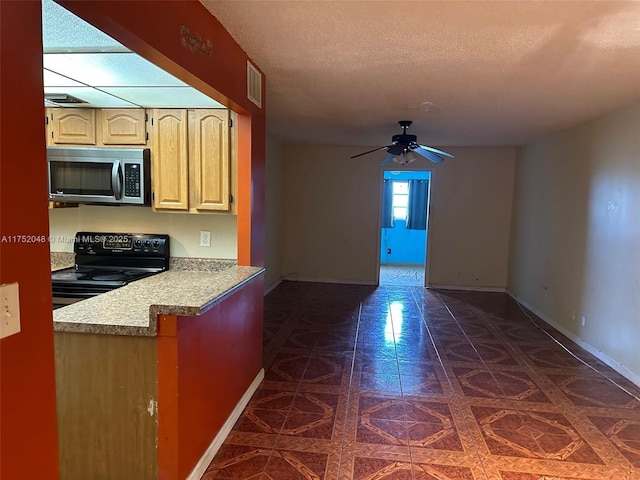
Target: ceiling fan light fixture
[{"x": 406, "y": 157}]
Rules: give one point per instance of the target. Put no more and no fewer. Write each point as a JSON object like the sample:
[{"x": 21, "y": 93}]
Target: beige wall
[
  {"x": 273, "y": 213},
  {"x": 332, "y": 208},
  {"x": 470, "y": 217},
  {"x": 575, "y": 237},
  {"x": 183, "y": 228}
]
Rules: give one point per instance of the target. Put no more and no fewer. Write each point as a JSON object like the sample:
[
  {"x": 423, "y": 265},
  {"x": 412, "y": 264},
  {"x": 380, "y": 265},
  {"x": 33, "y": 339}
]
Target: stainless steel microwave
[{"x": 111, "y": 176}]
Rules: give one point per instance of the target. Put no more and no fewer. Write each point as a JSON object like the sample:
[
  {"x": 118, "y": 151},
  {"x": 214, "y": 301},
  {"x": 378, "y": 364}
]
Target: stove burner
[
  {"x": 64, "y": 276},
  {"x": 134, "y": 273},
  {"x": 110, "y": 276}
]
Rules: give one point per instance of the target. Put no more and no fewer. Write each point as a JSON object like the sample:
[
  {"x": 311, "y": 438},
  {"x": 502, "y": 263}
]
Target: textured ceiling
[{"x": 467, "y": 73}]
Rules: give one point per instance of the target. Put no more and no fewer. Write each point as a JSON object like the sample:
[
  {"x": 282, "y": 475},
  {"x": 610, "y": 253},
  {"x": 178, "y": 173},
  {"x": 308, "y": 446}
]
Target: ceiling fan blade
[
  {"x": 435, "y": 150},
  {"x": 370, "y": 151},
  {"x": 387, "y": 160},
  {"x": 429, "y": 155}
]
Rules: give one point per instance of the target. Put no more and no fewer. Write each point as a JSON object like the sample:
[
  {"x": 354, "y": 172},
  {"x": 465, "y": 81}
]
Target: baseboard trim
[
  {"x": 268, "y": 290},
  {"x": 467, "y": 288},
  {"x": 205, "y": 460},
  {"x": 366, "y": 282},
  {"x": 330, "y": 280},
  {"x": 596, "y": 352}
]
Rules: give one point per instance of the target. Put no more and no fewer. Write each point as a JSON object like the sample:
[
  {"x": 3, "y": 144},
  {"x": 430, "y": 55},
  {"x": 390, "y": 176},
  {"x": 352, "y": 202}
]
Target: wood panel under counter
[{"x": 131, "y": 391}]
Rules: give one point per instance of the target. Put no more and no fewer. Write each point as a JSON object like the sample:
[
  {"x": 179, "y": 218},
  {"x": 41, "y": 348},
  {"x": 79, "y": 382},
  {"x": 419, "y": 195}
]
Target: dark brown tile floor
[{"x": 407, "y": 383}]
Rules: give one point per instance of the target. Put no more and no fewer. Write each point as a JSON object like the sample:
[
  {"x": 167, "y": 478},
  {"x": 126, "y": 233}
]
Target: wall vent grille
[
  {"x": 254, "y": 85},
  {"x": 62, "y": 98}
]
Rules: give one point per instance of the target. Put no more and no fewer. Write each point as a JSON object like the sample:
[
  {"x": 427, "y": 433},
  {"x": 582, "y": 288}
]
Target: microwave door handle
[{"x": 116, "y": 180}]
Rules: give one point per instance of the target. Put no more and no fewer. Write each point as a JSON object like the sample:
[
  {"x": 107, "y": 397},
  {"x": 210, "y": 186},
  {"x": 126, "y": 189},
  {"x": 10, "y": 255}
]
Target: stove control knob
[
  {"x": 147, "y": 243},
  {"x": 156, "y": 244},
  {"x": 137, "y": 243}
]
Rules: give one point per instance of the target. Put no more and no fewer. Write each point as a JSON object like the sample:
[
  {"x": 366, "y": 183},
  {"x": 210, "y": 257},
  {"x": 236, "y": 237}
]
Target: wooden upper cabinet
[
  {"x": 169, "y": 151},
  {"x": 72, "y": 126},
  {"x": 107, "y": 127},
  {"x": 123, "y": 126},
  {"x": 209, "y": 159}
]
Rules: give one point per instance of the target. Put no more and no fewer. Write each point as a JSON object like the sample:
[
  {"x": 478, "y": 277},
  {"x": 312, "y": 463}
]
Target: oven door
[
  {"x": 59, "y": 302},
  {"x": 85, "y": 180},
  {"x": 68, "y": 294}
]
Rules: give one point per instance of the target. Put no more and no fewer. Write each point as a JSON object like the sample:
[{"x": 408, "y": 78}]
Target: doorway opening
[{"x": 403, "y": 227}]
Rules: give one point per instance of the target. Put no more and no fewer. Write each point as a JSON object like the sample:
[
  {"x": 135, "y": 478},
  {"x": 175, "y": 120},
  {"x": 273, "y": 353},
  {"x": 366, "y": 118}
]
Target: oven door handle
[{"x": 116, "y": 180}]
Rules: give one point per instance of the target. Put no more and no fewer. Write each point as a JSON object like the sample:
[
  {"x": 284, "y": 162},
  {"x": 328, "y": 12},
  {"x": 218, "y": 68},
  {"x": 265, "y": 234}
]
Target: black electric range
[{"x": 106, "y": 261}]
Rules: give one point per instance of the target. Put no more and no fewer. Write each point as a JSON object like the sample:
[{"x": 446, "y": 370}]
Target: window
[{"x": 400, "y": 200}]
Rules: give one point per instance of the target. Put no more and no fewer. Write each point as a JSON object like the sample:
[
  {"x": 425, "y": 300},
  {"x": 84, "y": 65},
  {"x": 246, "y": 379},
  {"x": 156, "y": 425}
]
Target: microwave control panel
[{"x": 132, "y": 180}]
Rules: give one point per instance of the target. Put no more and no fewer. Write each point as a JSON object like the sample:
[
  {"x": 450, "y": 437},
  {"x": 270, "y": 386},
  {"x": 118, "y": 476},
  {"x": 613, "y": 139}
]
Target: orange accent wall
[
  {"x": 28, "y": 436},
  {"x": 205, "y": 364},
  {"x": 153, "y": 29}
]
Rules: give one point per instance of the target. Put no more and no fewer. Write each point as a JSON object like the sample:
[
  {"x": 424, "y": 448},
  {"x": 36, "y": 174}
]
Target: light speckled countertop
[
  {"x": 189, "y": 287},
  {"x": 60, "y": 260}
]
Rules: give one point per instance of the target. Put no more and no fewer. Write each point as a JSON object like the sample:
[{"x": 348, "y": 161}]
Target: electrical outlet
[
  {"x": 9, "y": 309},
  {"x": 205, "y": 238}
]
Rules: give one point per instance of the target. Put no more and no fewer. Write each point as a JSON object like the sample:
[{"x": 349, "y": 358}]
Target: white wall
[
  {"x": 273, "y": 213},
  {"x": 575, "y": 237},
  {"x": 183, "y": 228},
  {"x": 332, "y": 208}
]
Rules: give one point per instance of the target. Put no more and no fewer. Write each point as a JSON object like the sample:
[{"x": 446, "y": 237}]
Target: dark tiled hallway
[{"x": 407, "y": 383}]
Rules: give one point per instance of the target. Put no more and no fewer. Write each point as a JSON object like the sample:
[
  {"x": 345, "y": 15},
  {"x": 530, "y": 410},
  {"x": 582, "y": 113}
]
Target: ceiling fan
[{"x": 404, "y": 147}]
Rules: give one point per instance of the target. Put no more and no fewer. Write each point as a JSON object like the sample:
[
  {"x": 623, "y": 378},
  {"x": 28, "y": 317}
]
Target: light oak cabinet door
[
  {"x": 169, "y": 157},
  {"x": 123, "y": 126},
  {"x": 72, "y": 126},
  {"x": 209, "y": 160}
]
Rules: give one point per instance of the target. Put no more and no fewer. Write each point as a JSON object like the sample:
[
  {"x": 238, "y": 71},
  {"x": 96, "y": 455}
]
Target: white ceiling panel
[
  {"x": 52, "y": 79},
  {"x": 109, "y": 69},
  {"x": 165, "y": 97},
  {"x": 62, "y": 31}
]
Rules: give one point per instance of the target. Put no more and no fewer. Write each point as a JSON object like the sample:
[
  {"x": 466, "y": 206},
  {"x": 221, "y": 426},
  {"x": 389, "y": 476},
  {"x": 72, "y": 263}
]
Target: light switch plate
[
  {"x": 9, "y": 309},
  {"x": 205, "y": 238}
]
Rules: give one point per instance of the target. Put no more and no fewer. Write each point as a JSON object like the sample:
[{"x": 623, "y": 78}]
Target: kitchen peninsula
[{"x": 164, "y": 361}]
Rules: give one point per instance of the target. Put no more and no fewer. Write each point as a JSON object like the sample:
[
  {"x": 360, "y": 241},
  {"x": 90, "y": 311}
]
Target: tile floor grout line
[
  {"x": 435, "y": 347},
  {"x": 347, "y": 403},
  {"x": 520, "y": 412},
  {"x": 403, "y": 398},
  {"x": 534, "y": 374},
  {"x": 404, "y": 406},
  {"x": 275, "y": 443},
  {"x": 512, "y": 403},
  {"x": 528, "y": 367}
]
